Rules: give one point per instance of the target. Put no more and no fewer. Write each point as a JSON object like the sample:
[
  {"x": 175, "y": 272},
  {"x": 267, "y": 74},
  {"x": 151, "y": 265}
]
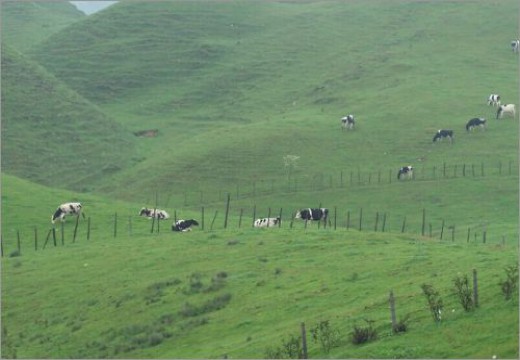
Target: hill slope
[
  {"x": 50, "y": 134},
  {"x": 26, "y": 23},
  {"x": 234, "y": 85}
]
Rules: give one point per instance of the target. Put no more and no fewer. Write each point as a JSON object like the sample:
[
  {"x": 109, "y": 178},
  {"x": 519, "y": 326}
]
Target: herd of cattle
[
  {"x": 311, "y": 214},
  {"x": 75, "y": 208}
]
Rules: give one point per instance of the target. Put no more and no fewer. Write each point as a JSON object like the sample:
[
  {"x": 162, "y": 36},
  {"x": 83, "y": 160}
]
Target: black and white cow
[
  {"x": 348, "y": 122},
  {"x": 494, "y": 99},
  {"x": 267, "y": 222},
  {"x": 71, "y": 208},
  {"x": 406, "y": 172},
  {"x": 480, "y": 122},
  {"x": 507, "y": 109},
  {"x": 443, "y": 134},
  {"x": 312, "y": 214},
  {"x": 514, "y": 45},
  {"x": 157, "y": 213},
  {"x": 184, "y": 225}
]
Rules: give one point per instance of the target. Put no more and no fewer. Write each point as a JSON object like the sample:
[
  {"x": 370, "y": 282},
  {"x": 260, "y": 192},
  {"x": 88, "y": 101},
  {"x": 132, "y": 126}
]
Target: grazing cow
[
  {"x": 150, "y": 213},
  {"x": 347, "y": 122},
  {"x": 267, "y": 222},
  {"x": 72, "y": 208},
  {"x": 480, "y": 122},
  {"x": 184, "y": 225},
  {"x": 494, "y": 99},
  {"x": 312, "y": 214},
  {"x": 514, "y": 45},
  {"x": 443, "y": 134},
  {"x": 508, "y": 109},
  {"x": 406, "y": 172}
]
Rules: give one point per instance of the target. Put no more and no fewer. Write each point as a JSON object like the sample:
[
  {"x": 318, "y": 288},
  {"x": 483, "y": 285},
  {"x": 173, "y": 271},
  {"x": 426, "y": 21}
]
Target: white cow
[
  {"x": 267, "y": 222},
  {"x": 494, "y": 99},
  {"x": 507, "y": 109},
  {"x": 71, "y": 208},
  {"x": 154, "y": 213}
]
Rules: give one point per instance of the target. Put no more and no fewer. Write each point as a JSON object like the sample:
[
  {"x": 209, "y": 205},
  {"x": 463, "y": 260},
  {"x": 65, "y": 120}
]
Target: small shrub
[
  {"x": 434, "y": 301},
  {"x": 290, "y": 349},
  {"x": 401, "y": 325},
  {"x": 361, "y": 335},
  {"x": 15, "y": 253},
  {"x": 325, "y": 335},
  {"x": 510, "y": 285},
  {"x": 463, "y": 291}
]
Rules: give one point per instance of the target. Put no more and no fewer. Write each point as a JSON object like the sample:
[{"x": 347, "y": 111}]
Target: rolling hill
[
  {"x": 26, "y": 23},
  {"x": 232, "y": 88}
]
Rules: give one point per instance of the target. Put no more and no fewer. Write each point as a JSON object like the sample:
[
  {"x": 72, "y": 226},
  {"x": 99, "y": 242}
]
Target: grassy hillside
[
  {"x": 243, "y": 293},
  {"x": 233, "y": 87},
  {"x": 26, "y": 23},
  {"x": 52, "y": 135}
]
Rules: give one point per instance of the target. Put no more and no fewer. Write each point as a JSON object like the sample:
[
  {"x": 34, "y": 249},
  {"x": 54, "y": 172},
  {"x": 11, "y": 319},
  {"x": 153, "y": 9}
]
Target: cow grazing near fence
[
  {"x": 443, "y": 134},
  {"x": 494, "y": 99},
  {"x": 508, "y": 109},
  {"x": 312, "y": 214},
  {"x": 267, "y": 222},
  {"x": 184, "y": 225},
  {"x": 406, "y": 172},
  {"x": 71, "y": 208},
  {"x": 480, "y": 122},
  {"x": 348, "y": 122},
  {"x": 514, "y": 45},
  {"x": 154, "y": 213}
]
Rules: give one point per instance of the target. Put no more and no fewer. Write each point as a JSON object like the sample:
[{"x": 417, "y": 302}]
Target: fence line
[
  {"x": 251, "y": 189},
  {"x": 420, "y": 227}
]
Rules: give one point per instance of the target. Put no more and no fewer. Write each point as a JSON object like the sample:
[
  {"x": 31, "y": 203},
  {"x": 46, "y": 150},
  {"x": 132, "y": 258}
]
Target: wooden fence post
[
  {"x": 442, "y": 228},
  {"x": 348, "y": 219},
  {"x": 202, "y": 217},
  {"x": 240, "y": 218},
  {"x": 423, "y": 221},
  {"x": 18, "y": 243},
  {"x": 304, "y": 341},
  {"x": 254, "y": 216},
  {"x": 467, "y": 239},
  {"x": 335, "y": 216},
  {"x": 384, "y": 222},
  {"x": 213, "y": 221},
  {"x": 391, "y": 300},
  {"x": 115, "y": 224},
  {"x": 377, "y": 220},
  {"x": 360, "y": 218},
  {"x": 2, "y": 246},
  {"x": 404, "y": 225},
  {"x": 88, "y": 228},
  {"x": 475, "y": 288},
  {"x": 75, "y": 229},
  {"x": 62, "y": 228},
  {"x": 35, "y": 239},
  {"x": 227, "y": 210},
  {"x": 484, "y": 233}
]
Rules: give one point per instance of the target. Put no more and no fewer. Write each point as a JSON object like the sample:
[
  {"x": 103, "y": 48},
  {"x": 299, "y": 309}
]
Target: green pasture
[{"x": 233, "y": 88}]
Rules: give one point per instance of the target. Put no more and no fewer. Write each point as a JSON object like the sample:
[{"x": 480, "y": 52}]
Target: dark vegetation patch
[
  {"x": 217, "y": 303},
  {"x": 155, "y": 291}
]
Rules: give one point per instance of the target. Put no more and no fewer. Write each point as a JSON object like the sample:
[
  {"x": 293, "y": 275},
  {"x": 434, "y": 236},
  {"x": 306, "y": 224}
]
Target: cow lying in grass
[
  {"x": 71, "y": 208},
  {"x": 267, "y": 222},
  {"x": 151, "y": 213},
  {"x": 184, "y": 225}
]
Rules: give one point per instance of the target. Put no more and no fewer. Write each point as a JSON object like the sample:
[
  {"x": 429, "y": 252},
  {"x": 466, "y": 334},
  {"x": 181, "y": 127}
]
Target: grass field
[{"x": 232, "y": 88}]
